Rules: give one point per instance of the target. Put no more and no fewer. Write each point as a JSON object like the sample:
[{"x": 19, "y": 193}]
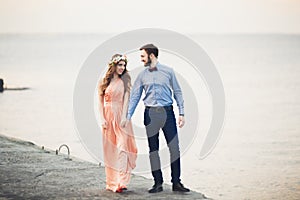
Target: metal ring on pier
[{"x": 64, "y": 145}]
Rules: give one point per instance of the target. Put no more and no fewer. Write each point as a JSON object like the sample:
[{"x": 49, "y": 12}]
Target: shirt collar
[{"x": 155, "y": 68}]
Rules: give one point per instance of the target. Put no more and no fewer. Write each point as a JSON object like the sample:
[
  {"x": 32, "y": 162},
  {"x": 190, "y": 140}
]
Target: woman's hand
[
  {"x": 124, "y": 123},
  {"x": 104, "y": 124}
]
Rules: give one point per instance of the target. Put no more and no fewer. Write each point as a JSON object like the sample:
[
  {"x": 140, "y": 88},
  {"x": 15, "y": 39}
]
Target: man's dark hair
[{"x": 150, "y": 48}]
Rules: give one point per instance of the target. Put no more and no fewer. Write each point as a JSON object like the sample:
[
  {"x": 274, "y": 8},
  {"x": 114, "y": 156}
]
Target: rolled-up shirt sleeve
[{"x": 177, "y": 93}]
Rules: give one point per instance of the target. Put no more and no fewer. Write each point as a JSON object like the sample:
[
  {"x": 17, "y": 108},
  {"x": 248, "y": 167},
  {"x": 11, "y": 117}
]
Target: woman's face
[{"x": 120, "y": 67}]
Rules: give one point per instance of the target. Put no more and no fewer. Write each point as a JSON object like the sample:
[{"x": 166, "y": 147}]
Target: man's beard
[{"x": 148, "y": 63}]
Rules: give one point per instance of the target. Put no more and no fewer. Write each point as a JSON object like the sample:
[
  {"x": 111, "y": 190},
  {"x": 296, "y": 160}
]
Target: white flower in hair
[{"x": 118, "y": 59}]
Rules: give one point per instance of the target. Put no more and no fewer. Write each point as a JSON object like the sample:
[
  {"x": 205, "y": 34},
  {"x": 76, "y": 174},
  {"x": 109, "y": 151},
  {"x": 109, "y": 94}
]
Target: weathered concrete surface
[{"x": 28, "y": 172}]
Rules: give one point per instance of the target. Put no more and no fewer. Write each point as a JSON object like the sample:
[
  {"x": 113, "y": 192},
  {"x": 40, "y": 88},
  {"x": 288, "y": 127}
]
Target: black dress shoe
[
  {"x": 178, "y": 187},
  {"x": 156, "y": 188}
]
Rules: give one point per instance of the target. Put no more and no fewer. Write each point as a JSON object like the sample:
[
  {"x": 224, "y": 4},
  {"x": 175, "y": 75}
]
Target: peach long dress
[{"x": 119, "y": 145}]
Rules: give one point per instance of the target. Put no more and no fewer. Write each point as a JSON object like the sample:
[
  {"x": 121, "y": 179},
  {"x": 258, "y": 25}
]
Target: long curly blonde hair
[{"x": 110, "y": 73}]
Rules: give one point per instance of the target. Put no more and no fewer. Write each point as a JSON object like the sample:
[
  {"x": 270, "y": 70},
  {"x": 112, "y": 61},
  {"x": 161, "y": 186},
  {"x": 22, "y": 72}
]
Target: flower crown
[{"x": 117, "y": 59}]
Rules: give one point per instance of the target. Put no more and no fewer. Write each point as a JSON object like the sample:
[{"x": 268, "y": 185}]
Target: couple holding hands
[{"x": 117, "y": 103}]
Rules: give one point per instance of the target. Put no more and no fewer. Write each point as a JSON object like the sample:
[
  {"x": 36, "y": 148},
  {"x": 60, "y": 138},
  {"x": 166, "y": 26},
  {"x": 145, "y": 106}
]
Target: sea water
[{"x": 258, "y": 154}]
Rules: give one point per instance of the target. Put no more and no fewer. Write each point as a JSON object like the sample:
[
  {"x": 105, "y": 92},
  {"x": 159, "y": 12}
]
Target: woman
[{"x": 120, "y": 150}]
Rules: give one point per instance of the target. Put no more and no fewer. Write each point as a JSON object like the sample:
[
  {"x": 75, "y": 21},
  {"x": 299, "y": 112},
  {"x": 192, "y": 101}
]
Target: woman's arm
[
  {"x": 101, "y": 102},
  {"x": 101, "y": 109},
  {"x": 125, "y": 107}
]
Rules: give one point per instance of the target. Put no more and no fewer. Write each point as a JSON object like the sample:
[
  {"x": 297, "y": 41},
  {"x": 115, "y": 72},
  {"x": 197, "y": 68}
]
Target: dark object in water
[
  {"x": 17, "y": 88},
  {"x": 1, "y": 85},
  {"x": 14, "y": 88}
]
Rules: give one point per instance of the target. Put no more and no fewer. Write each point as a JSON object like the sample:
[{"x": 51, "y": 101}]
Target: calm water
[{"x": 258, "y": 155}]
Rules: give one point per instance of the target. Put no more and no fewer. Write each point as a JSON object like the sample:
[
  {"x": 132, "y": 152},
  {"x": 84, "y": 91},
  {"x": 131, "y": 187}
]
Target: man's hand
[{"x": 181, "y": 121}]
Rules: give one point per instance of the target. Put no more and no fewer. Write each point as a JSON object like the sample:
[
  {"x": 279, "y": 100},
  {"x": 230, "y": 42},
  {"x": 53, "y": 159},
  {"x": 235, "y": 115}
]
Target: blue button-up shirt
[{"x": 158, "y": 86}]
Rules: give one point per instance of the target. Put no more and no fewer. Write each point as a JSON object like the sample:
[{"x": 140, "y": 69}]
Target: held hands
[
  {"x": 124, "y": 123},
  {"x": 181, "y": 121}
]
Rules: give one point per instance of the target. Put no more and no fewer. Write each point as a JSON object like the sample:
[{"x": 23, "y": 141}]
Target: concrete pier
[{"x": 29, "y": 172}]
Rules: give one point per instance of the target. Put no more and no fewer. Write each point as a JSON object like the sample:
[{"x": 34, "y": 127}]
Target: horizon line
[{"x": 116, "y": 33}]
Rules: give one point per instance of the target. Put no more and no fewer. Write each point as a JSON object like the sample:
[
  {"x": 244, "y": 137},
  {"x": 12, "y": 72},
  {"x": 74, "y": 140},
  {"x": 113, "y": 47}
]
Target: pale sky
[{"x": 186, "y": 16}]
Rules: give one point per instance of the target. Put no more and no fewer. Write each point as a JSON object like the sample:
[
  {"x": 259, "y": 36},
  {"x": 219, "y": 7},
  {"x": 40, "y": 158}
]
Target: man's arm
[
  {"x": 179, "y": 98},
  {"x": 177, "y": 93},
  {"x": 135, "y": 96}
]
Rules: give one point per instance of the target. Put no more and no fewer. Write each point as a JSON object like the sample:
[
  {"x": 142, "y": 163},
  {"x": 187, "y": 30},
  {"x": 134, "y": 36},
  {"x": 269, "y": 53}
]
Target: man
[{"x": 159, "y": 82}]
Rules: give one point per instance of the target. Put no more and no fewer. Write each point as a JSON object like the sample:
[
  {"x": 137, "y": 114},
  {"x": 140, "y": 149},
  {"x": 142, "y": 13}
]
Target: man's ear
[{"x": 152, "y": 56}]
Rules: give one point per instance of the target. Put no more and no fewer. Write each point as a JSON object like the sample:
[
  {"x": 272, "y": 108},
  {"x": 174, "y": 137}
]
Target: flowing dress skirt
[{"x": 119, "y": 145}]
